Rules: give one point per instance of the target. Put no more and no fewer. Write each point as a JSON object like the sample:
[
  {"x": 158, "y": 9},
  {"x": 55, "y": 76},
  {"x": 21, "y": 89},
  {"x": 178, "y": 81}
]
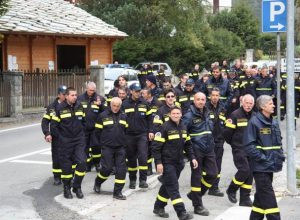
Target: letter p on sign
[{"x": 277, "y": 8}]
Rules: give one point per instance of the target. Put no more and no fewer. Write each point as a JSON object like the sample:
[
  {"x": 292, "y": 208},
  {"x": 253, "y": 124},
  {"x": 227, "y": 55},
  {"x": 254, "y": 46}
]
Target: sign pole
[
  {"x": 291, "y": 140},
  {"x": 278, "y": 76}
]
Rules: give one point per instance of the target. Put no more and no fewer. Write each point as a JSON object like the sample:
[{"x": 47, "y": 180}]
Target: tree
[{"x": 3, "y": 6}]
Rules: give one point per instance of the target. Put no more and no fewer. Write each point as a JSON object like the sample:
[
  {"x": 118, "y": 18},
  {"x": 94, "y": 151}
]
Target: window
[{"x": 71, "y": 57}]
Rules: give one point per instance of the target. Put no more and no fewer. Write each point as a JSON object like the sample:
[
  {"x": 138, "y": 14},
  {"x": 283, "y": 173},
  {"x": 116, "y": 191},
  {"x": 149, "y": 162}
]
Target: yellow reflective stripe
[
  {"x": 219, "y": 176},
  {"x": 108, "y": 123},
  {"x": 196, "y": 189},
  {"x": 174, "y": 136},
  {"x": 242, "y": 124},
  {"x": 176, "y": 201},
  {"x": 184, "y": 135},
  {"x": 79, "y": 173},
  {"x": 201, "y": 133},
  {"x": 211, "y": 116},
  {"x": 263, "y": 89},
  {"x": 74, "y": 166},
  {"x": 183, "y": 99},
  {"x": 237, "y": 182},
  {"x": 96, "y": 155},
  {"x": 204, "y": 173},
  {"x": 47, "y": 116},
  {"x": 269, "y": 148},
  {"x": 149, "y": 112},
  {"x": 98, "y": 125},
  {"x": 143, "y": 167},
  {"x": 162, "y": 199},
  {"x": 188, "y": 138},
  {"x": 246, "y": 186},
  {"x": 95, "y": 106},
  {"x": 79, "y": 113},
  {"x": 123, "y": 123},
  {"x": 55, "y": 118},
  {"x": 167, "y": 119},
  {"x": 142, "y": 109},
  {"x": 56, "y": 170},
  {"x": 129, "y": 110},
  {"x": 222, "y": 117},
  {"x": 132, "y": 168},
  {"x": 67, "y": 115},
  {"x": 84, "y": 106},
  {"x": 222, "y": 97},
  {"x": 161, "y": 98},
  {"x": 102, "y": 177},
  {"x": 119, "y": 181},
  {"x": 159, "y": 139},
  {"x": 89, "y": 159},
  {"x": 206, "y": 183},
  {"x": 150, "y": 160},
  {"x": 230, "y": 125},
  {"x": 157, "y": 121},
  {"x": 66, "y": 176},
  {"x": 297, "y": 87},
  {"x": 265, "y": 211}
]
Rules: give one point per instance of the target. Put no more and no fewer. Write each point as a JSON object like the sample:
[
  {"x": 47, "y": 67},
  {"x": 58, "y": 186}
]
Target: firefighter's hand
[
  {"x": 48, "y": 138},
  {"x": 160, "y": 168},
  {"x": 195, "y": 164},
  {"x": 151, "y": 136}
]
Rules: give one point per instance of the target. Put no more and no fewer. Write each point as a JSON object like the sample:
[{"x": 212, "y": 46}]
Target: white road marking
[
  {"x": 24, "y": 155},
  {"x": 237, "y": 212},
  {"x": 46, "y": 153},
  {"x": 31, "y": 162},
  {"x": 17, "y": 128}
]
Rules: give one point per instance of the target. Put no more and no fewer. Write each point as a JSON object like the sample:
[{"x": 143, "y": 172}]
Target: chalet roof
[{"x": 54, "y": 17}]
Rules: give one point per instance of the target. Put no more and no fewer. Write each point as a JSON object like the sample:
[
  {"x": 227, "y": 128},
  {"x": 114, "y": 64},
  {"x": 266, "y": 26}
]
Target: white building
[{"x": 219, "y": 5}]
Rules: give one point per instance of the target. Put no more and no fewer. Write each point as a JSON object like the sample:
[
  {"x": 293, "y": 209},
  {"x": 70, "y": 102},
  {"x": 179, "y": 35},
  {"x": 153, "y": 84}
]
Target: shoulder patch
[
  {"x": 229, "y": 120},
  {"x": 156, "y": 117},
  {"x": 157, "y": 134}
]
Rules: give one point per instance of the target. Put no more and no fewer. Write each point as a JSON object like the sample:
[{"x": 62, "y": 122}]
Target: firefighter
[
  {"x": 234, "y": 84},
  {"x": 233, "y": 134},
  {"x": 93, "y": 105},
  {"x": 247, "y": 84},
  {"x": 195, "y": 73},
  {"x": 46, "y": 121},
  {"x": 160, "y": 76},
  {"x": 154, "y": 105},
  {"x": 167, "y": 148},
  {"x": 139, "y": 121},
  {"x": 218, "y": 113},
  {"x": 68, "y": 124},
  {"x": 262, "y": 143},
  {"x": 181, "y": 86},
  {"x": 185, "y": 98},
  {"x": 110, "y": 130},
  {"x": 200, "y": 127},
  {"x": 152, "y": 84},
  {"x": 265, "y": 85},
  {"x": 218, "y": 81},
  {"x": 167, "y": 84},
  {"x": 200, "y": 83}
]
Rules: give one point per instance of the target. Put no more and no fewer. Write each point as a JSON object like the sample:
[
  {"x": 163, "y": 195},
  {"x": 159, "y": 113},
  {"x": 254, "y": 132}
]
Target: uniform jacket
[
  {"x": 200, "y": 127},
  {"x": 185, "y": 99},
  {"x": 161, "y": 116},
  {"x": 226, "y": 93},
  {"x": 68, "y": 121},
  {"x": 235, "y": 127},
  {"x": 91, "y": 110},
  {"x": 110, "y": 128},
  {"x": 247, "y": 86},
  {"x": 218, "y": 115},
  {"x": 265, "y": 86},
  {"x": 169, "y": 143},
  {"x": 262, "y": 143},
  {"x": 138, "y": 116},
  {"x": 50, "y": 111}
]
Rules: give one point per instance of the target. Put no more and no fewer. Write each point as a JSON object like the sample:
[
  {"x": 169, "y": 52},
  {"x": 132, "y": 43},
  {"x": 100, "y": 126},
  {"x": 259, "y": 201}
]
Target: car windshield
[{"x": 113, "y": 74}]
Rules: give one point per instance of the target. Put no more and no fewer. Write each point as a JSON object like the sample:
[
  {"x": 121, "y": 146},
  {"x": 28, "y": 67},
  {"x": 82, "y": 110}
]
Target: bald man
[
  {"x": 199, "y": 122},
  {"x": 233, "y": 133}
]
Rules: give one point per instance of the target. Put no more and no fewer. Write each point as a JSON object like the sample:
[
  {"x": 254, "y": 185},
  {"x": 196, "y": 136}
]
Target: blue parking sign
[{"x": 274, "y": 14}]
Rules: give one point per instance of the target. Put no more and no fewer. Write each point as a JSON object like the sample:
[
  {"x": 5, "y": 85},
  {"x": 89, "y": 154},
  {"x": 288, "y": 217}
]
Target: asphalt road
[{"x": 26, "y": 190}]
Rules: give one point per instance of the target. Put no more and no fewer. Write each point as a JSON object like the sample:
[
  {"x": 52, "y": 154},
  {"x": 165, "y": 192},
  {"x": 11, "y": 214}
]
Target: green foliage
[
  {"x": 267, "y": 43},
  {"x": 3, "y": 6},
  {"x": 241, "y": 21},
  {"x": 258, "y": 54},
  {"x": 297, "y": 51}
]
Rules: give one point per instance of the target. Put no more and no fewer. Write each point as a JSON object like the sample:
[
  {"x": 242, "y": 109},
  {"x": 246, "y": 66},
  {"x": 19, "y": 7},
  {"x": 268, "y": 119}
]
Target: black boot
[
  {"x": 143, "y": 184},
  {"x": 160, "y": 212},
  {"x": 231, "y": 196},
  {"x": 119, "y": 196},
  {"x": 132, "y": 184},
  {"x": 57, "y": 181},
  {"x": 246, "y": 202},
  {"x": 215, "y": 192},
  {"x": 97, "y": 187},
  {"x": 201, "y": 210},
  {"x": 67, "y": 192},
  {"x": 185, "y": 216},
  {"x": 78, "y": 193}
]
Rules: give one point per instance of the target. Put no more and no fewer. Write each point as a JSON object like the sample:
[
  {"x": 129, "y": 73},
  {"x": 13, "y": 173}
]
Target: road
[{"x": 27, "y": 191}]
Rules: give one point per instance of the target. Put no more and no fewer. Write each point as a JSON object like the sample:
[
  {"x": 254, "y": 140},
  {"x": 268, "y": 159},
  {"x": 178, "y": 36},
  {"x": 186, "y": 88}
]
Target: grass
[{"x": 298, "y": 177}]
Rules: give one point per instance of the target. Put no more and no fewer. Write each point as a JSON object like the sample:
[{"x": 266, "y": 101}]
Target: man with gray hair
[
  {"x": 262, "y": 143},
  {"x": 233, "y": 134},
  {"x": 110, "y": 130},
  {"x": 93, "y": 104}
]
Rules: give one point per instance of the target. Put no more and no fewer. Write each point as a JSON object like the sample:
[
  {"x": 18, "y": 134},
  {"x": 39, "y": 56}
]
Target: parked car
[
  {"x": 168, "y": 70},
  {"x": 122, "y": 65},
  {"x": 111, "y": 74}
]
